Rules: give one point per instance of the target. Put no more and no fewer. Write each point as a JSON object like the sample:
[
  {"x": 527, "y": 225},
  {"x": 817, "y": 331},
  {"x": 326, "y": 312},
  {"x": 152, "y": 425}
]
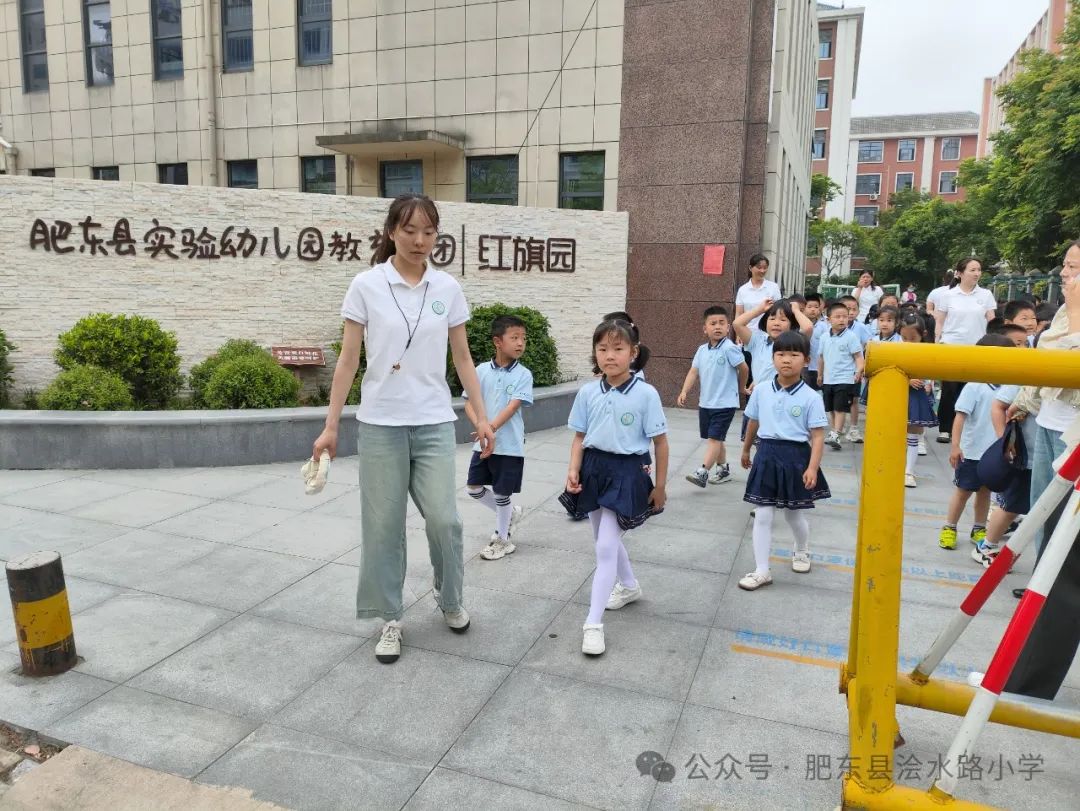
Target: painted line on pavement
[{"x": 846, "y": 563}]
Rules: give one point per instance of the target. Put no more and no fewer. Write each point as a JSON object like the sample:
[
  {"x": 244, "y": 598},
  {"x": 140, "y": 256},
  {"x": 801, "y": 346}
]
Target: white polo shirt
[
  {"x": 965, "y": 315},
  {"x": 415, "y": 394},
  {"x": 750, "y": 297}
]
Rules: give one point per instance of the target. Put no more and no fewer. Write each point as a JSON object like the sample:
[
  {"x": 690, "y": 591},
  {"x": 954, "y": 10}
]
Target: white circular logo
[
  {"x": 438, "y": 307},
  {"x": 509, "y": 389},
  {"x": 627, "y": 418},
  {"x": 796, "y": 411}
]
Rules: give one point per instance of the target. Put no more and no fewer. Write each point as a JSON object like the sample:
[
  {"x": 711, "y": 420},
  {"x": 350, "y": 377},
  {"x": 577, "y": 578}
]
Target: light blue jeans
[
  {"x": 1048, "y": 447},
  {"x": 396, "y": 462}
]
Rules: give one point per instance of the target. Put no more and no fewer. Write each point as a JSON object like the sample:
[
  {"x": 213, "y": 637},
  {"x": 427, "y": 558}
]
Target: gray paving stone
[
  {"x": 250, "y": 667},
  {"x": 39, "y": 531},
  {"x": 445, "y": 788},
  {"x": 132, "y": 631},
  {"x": 38, "y": 702},
  {"x": 152, "y": 731},
  {"x": 504, "y": 625},
  {"x": 682, "y": 595},
  {"x": 224, "y": 521},
  {"x": 534, "y": 570},
  {"x": 150, "y": 479},
  {"x": 702, "y": 550},
  {"x": 322, "y": 537},
  {"x": 574, "y": 740},
  {"x": 310, "y": 773},
  {"x": 644, "y": 653},
  {"x": 288, "y": 493},
  {"x": 213, "y": 483},
  {"x": 231, "y": 577},
  {"x": 346, "y": 505},
  {"x": 64, "y": 496},
  {"x": 130, "y": 559},
  {"x": 415, "y": 708},
  {"x": 14, "y": 480},
  {"x": 779, "y": 608},
  {"x": 139, "y": 508}
]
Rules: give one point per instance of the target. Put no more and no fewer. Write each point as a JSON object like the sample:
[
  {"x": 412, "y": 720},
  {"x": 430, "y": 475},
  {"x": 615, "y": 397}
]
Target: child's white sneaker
[
  {"x": 855, "y": 436},
  {"x": 833, "y": 440},
  {"x": 720, "y": 474},
  {"x": 754, "y": 581},
  {"x": 621, "y": 595},
  {"x": 800, "y": 562},
  {"x": 515, "y": 516},
  {"x": 700, "y": 477},
  {"x": 909, "y": 480},
  {"x": 922, "y": 445},
  {"x": 592, "y": 641},
  {"x": 498, "y": 548},
  {"x": 388, "y": 648}
]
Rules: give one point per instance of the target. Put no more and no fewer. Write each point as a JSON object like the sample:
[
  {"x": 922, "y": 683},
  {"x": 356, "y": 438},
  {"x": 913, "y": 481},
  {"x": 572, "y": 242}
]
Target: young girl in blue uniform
[
  {"x": 787, "y": 418},
  {"x": 887, "y": 331},
  {"x": 920, "y": 398},
  {"x": 615, "y": 418}
]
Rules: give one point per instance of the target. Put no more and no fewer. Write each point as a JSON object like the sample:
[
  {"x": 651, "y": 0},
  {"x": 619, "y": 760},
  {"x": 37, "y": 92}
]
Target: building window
[
  {"x": 42, "y": 173},
  {"x": 946, "y": 183},
  {"x": 905, "y": 149},
  {"x": 97, "y": 37},
  {"x": 106, "y": 172},
  {"x": 825, "y": 43},
  {"x": 168, "y": 39},
  {"x": 318, "y": 175},
  {"x": 868, "y": 184},
  {"x": 581, "y": 180},
  {"x": 822, "y": 94},
  {"x": 313, "y": 31},
  {"x": 35, "y": 62},
  {"x": 905, "y": 181},
  {"x": 401, "y": 177},
  {"x": 871, "y": 151},
  {"x": 817, "y": 148},
  {"x": 175, "y": 173},
  {"x": 492, "y": 180},
  {"x": 243, "y": 174},
  {"x": 950, "y": 149},
  {"x": 236, "y": 39},
  {"x": 866, "y": 216}
]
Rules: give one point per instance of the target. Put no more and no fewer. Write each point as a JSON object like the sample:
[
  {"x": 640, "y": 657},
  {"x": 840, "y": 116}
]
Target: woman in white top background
[
  {"x": 866, "y": 293},
  {"x": 932, "y": 298},
  {"x": 755, "y": 291},
  {"x": 960, "y": 317}
]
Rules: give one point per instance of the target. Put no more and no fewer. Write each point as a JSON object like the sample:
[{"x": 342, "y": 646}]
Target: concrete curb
[{"x": 39, "y": 440}]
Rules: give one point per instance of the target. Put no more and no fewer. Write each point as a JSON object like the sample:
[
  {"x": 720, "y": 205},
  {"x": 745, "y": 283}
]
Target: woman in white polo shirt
[
  {"x": 405, "y": 312},
  {"x": 961, "y": 315},
  {"x": 867, "y": 294},
  {"x": 758, "y": 288}
]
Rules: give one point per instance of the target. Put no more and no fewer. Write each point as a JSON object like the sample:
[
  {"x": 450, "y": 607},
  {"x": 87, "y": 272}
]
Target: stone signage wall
[{"x": 212, "y": 264}]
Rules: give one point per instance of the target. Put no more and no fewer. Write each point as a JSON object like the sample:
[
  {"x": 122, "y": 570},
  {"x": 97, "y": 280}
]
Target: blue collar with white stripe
[
  {"x": 794, "y": 387},
  {"x": 605, "y": 387},
  {"x": 507, "y": 368}
]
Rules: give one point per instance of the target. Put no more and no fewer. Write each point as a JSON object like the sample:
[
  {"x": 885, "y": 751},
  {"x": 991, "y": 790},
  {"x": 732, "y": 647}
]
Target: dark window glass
[
  {"x": 168, "y": 39},
  {"x": 817, "y": 149},
  {"x": 871, "y": 151},
  {"x": 905, "y": 181},
  {"x": 905, "y": 149},
  {"x": 175, "y": 173},
  {"x": 822, "y": 101},
  {"x": 950, "y": 149},
  {"x": 106, "y": 173},
  {"x": 866, "y": 216},
  {"x": 581, "y": 180},
  {"x": 401, "y": 177},
  {"x": 825, "y": 44},
  {"x": 314, "y": 29},
  {"x": 318, "y": 175},
  {"x": 42, "y": 173},
  {"x": 493, "y": 180},
  {"x": 236, "y": 40},
  {"x": 244, "y": 174},
  {"x": 868, "y": 184},
  {"x": 947, "y": 183},
  {"x": 97, "y": 36},
  {"x": 35, "y": 63}
]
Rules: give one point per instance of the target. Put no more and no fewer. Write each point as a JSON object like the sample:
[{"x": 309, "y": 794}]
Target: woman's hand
[
  {"x": 658, "y": 497},
  {"x": 916, "y": 384},
  {"x": 486, "y": 437},
  {"x": 327, "y": 441},
  {"x": 573, "y": 481},
  {"x": 680, "y": 401}
]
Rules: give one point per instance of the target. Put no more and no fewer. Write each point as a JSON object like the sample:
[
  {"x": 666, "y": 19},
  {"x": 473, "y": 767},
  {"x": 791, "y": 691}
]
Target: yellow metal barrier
[{"x": 870, "y": 677}]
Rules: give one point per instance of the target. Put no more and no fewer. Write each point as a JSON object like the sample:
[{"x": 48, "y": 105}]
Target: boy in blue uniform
[
  {"x": 506, "y": 386},
  {"x": 721, "y": 367},
  {"x": 864, "y": 334},
  {"x": 840, "y": 368}
]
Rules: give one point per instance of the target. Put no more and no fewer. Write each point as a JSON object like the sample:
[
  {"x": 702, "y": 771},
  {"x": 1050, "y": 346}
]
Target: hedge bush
[
  {"x": 201, "y": 372},
  {"x": 354, "y": 390},
  {"x": 135, "y": 348},
  {"x": 5, "y": 370},
  {"x": 87, "y": 388},
  {"x": 251, "y": 381},
  {"x": 541, "y": 356}
]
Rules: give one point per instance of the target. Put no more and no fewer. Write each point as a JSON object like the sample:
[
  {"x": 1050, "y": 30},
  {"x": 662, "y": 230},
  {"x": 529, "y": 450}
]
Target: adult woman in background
[
  {"x": 960, "y": 318},
  {"x": 867, "y": 294}
]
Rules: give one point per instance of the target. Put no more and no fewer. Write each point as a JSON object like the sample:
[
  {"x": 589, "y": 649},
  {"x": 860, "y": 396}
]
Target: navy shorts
[
  {"x": 838, "y": 396},
  {"x": 1017, "y": 496},
  {"x": 967, "y": 476},
  {"x": 503, "y": 473},
  {"x": 810, "y": 376},
  {"x": 714, "y": 422}
]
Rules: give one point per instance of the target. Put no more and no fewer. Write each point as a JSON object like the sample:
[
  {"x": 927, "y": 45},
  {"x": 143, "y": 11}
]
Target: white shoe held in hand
[{"x": 316, "y": 473}]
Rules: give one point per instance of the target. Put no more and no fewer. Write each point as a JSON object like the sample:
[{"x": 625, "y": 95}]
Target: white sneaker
[
  {"x": 909, "y": 480},
  {"x": 498, "y": 548},
  {"x": 855, "y": 436},
  {"x": 592, "y": 641},
  {"x": 721, "y": 474},
  {"x": 700, "y": 477},
  {"x": 833, "y": 440},
  {"x": 515, "y": 516},
  {"x": 922, "y": 445},
  {"x": 388, "y": 648},
  {"x": 800, "y": 562},
  {"x": 457, "y": 620},
  {"x": 621, "y": 595},
  {"x": 754, "y": 581}
]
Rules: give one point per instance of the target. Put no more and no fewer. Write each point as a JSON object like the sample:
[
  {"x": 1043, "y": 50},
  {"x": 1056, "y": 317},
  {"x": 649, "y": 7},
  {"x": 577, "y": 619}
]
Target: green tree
[
  {"x": 822, "y": 190},
  {"x": 836, "y": 242}
]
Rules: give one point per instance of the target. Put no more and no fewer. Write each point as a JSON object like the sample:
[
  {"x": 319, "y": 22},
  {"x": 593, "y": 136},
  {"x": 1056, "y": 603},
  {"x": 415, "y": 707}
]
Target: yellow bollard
[{"x": 42, "y": 616}]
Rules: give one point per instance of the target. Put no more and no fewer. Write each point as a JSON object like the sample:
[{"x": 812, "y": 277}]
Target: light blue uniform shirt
[
  {"x": 821, "y": 329},
  {"x": 837, "y": 352},
  {"x": 978, "y": 433},
  {"x": 1006, "y": 394},
  {"x": 619, "y": 419},
  {"x": 500, "y": 385},
  {"x": 895, "y": 339},
  {"x": 863, "y": 332},
  {"x": 760, "y": 349},
  {"x": 716, "y": 367},
  {"x": 786, "y": 413}
]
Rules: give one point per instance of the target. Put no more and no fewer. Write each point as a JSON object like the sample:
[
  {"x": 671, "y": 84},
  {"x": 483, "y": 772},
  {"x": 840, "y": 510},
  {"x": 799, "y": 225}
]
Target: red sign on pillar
[{"x": 713, "y": 263}]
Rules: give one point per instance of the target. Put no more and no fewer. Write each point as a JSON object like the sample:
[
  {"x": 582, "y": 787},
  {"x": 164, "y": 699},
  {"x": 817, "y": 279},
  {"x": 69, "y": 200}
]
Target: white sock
[
  {"x": 485, "y": 497},
  {"x": 503, "y": 511},
  {"x": 800, "y": 527},
  {"x": 912, "y": 452},
  {"x": 763, "y": 518}
]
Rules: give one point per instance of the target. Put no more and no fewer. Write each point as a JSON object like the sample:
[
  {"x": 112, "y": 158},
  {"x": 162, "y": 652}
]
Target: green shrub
[
  {"x": 251, "y": 381},
  {"x": 201, "y": 372},
  {"x": 135, "y": 348},
  {"x": 87, "y": 388},
  {"x": 31, "y": 399},
  {"x": 5, "y": 370},
  {"x": 354, "y": 390},
  {"x": 541, "y": 356}
]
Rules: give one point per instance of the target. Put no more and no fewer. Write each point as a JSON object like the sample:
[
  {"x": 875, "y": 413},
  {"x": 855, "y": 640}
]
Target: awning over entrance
[{"x": 390, "y": 144}]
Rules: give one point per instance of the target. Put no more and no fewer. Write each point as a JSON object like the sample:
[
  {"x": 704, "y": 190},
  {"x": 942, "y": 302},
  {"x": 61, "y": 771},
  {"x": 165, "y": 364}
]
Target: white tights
[
  {"x": 611, "y": 561},
  {"x": 763, "y": 521}
]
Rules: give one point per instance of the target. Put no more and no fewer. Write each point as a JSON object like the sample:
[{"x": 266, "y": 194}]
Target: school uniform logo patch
[
  {"x": 627, "y": 418},
  {"x": 438, "y": 307},
  {"x": 510, "y": 389},
  {"x": 796, "y": 411}
]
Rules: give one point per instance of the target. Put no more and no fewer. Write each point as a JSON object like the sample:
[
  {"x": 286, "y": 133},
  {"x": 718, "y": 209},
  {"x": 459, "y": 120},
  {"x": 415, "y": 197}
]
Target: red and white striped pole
[
  {"x": 1001, "y": 666},
  {"x": 1066, "y": 476}
]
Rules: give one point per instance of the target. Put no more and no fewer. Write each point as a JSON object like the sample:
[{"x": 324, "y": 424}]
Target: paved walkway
[{"x": 214, "y": 611}]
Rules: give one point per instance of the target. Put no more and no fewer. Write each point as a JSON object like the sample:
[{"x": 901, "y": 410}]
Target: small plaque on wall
[{"x": 713, "y": 263}]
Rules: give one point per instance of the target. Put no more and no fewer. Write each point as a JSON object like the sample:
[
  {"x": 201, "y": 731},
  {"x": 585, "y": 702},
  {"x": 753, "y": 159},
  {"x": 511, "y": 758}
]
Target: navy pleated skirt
[
  {"x": 775, "y": 478},
  {"x": 616, "y": 481}
]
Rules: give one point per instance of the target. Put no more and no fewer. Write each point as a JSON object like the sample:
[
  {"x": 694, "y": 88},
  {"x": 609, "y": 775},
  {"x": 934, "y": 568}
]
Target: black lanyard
[{"x": 409, "y": 328}]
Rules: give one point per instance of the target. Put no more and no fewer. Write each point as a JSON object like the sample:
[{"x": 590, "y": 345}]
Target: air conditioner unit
[{"x": 873, "y": 197}]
